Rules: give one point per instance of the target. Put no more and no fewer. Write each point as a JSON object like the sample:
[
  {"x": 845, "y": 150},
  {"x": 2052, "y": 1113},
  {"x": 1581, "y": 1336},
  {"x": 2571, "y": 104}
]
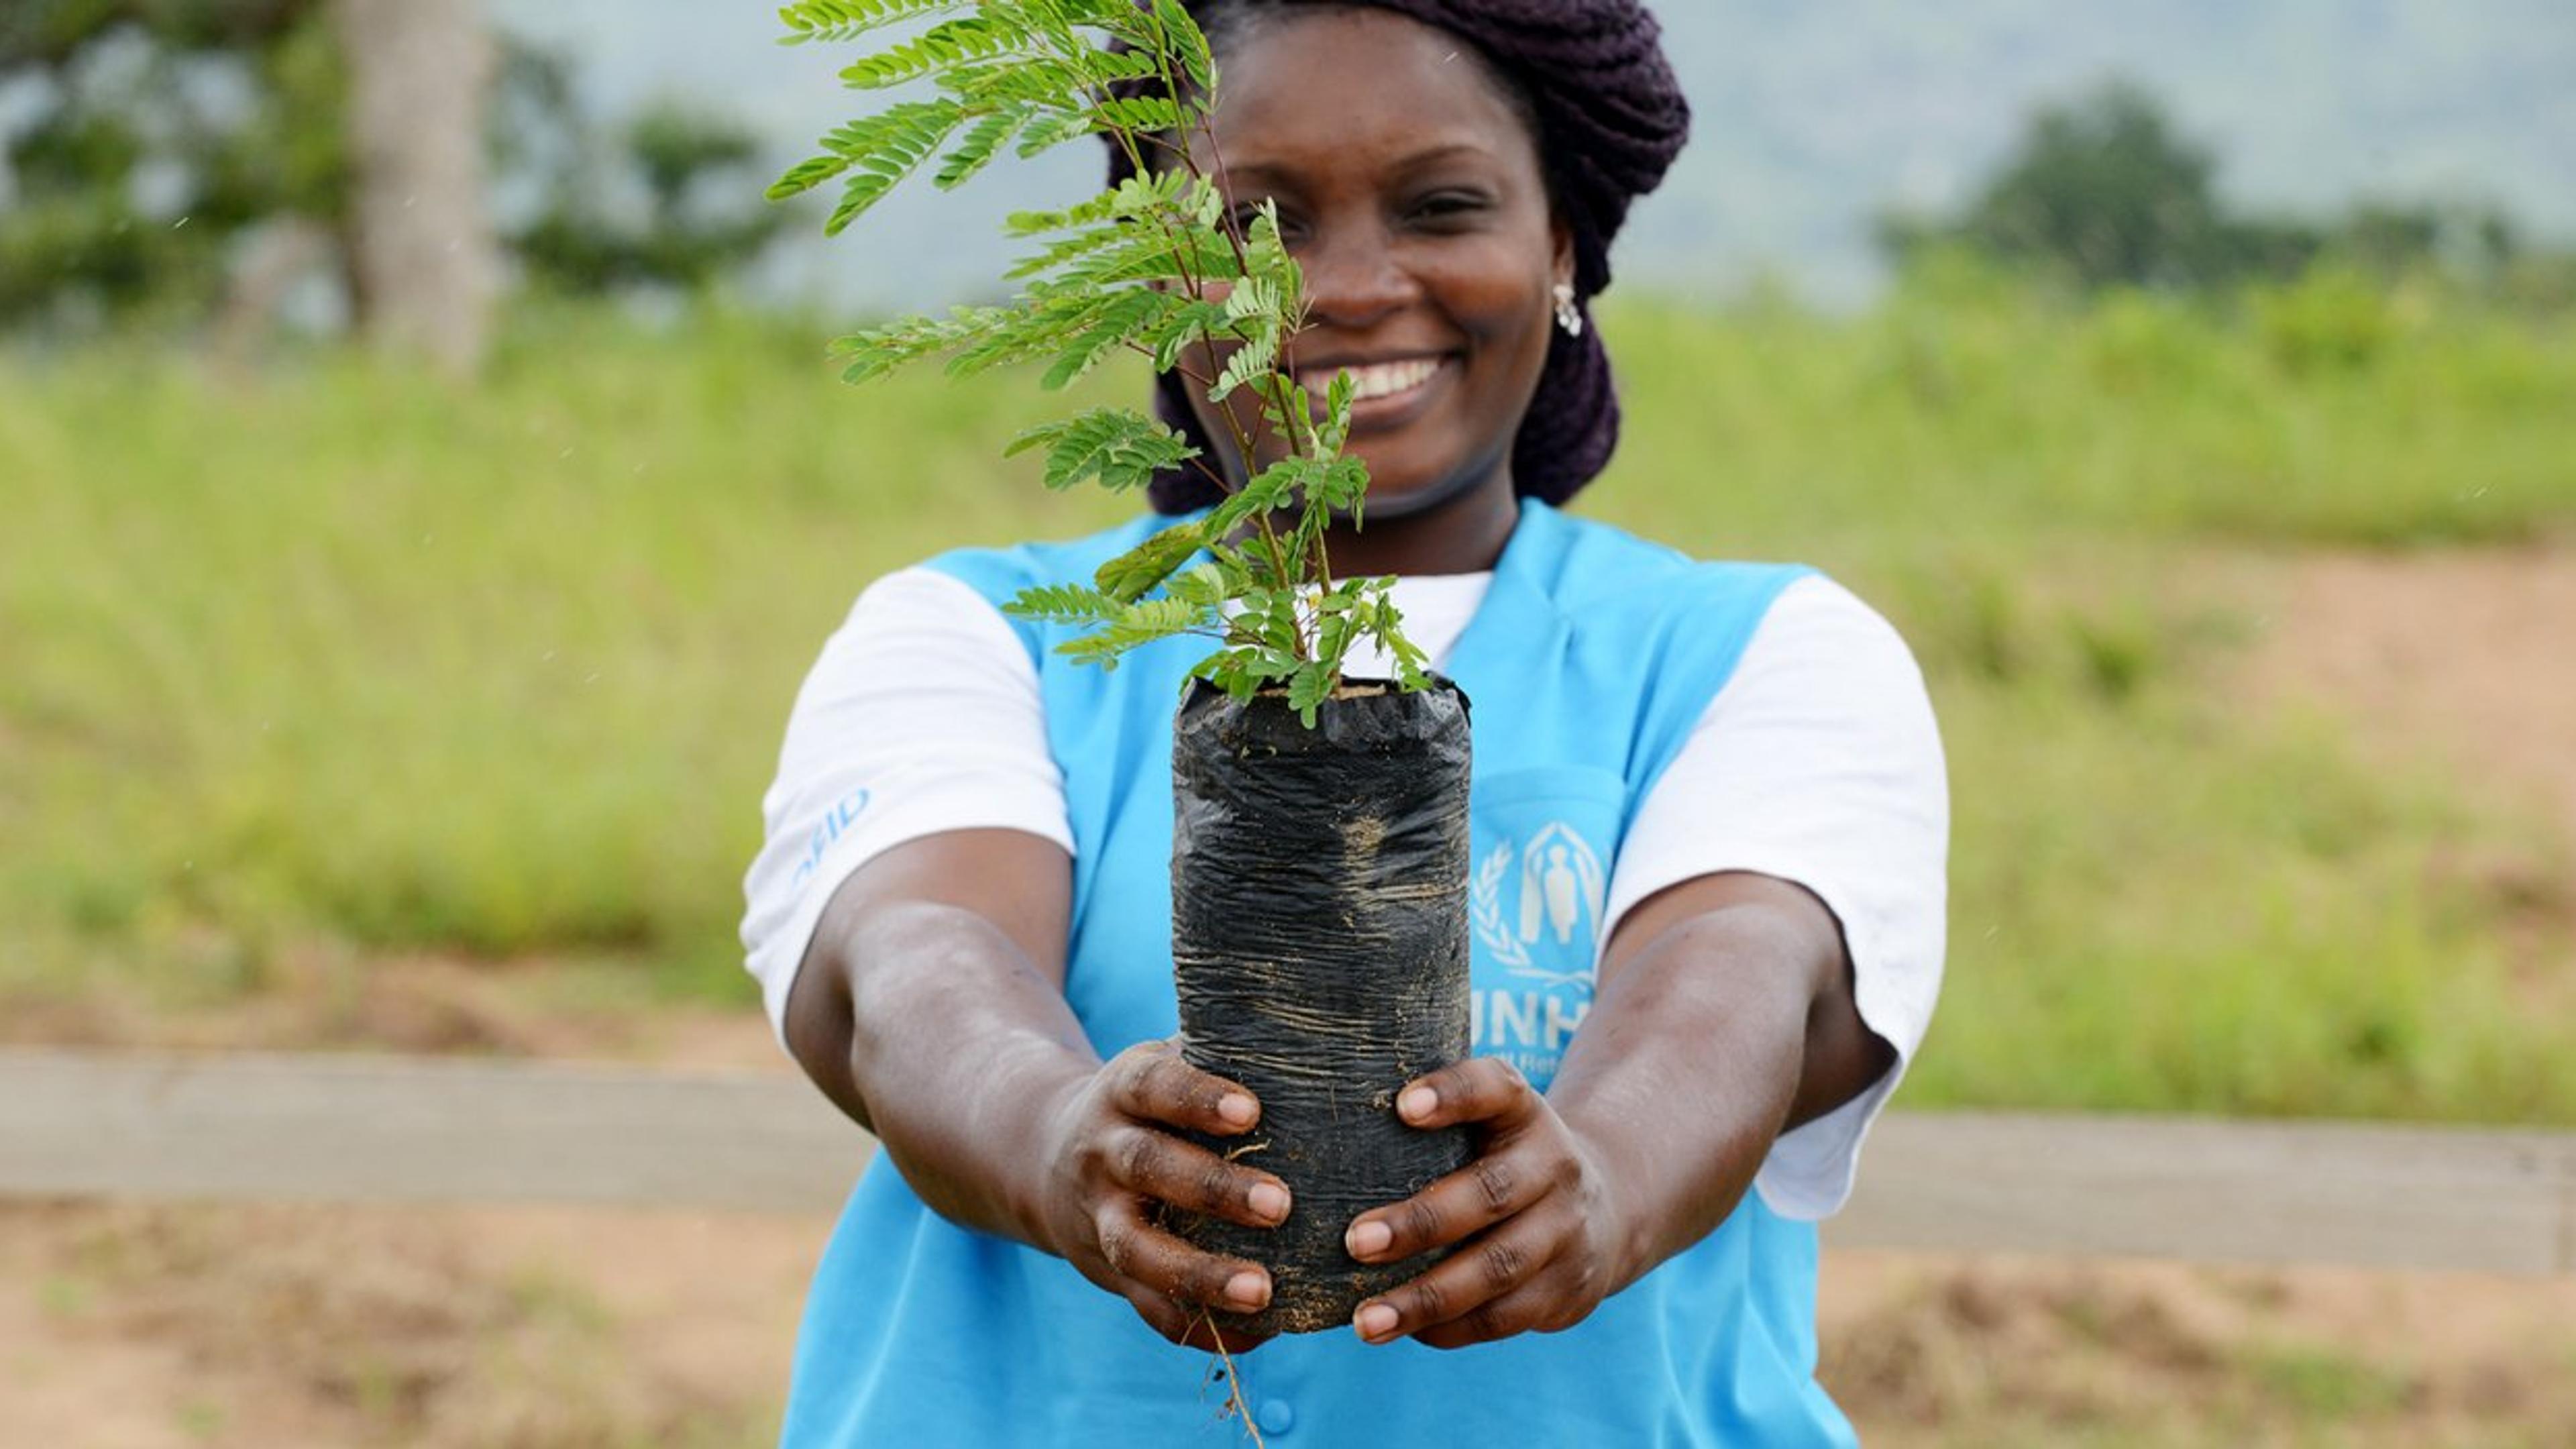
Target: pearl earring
[{"x": 1568, "y": 316}]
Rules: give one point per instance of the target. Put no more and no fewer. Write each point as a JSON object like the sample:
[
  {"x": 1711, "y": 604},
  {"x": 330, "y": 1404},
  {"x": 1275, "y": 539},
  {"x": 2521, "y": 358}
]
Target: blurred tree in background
[
  {"x": 166, "y": 129},
  {"x": 198, "y": 160},
  {"x": 2104, "y": 191},
  {"x": 693, "y": 228},
  {"x": 422, "y": 267}
]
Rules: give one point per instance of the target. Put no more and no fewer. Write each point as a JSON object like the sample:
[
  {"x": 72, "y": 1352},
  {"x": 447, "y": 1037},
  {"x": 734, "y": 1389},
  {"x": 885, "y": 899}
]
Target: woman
[{"x": 1709, "y": 819}]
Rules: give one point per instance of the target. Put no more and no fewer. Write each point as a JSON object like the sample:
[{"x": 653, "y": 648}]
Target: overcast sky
[{"x": 1812, "y": 115}]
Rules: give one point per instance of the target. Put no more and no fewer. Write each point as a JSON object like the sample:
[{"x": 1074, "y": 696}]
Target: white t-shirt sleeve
[
  {"x": 1819, "y": 763},
  {"x": 922, "y": 715}
]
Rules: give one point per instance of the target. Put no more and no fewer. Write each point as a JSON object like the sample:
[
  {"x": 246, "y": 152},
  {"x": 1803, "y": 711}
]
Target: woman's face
[{"x": 1410, "y": 192}]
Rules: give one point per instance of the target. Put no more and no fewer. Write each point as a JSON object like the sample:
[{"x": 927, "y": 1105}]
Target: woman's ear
[{"x": 1562, "y": 236}]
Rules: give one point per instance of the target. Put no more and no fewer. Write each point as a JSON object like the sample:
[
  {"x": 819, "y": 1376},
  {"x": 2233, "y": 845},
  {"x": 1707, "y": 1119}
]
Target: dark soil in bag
[{"x": 1319, "y": 940}]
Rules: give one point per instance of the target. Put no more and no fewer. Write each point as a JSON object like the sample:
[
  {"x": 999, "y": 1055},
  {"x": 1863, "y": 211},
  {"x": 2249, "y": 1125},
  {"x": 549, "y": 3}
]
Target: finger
[
  {"x": 1162, "y": 1315},
  {"x": 1497, "y": 1186},
  {"x": 1479, "y": 1089},
  {"x": 1156, "y": 1085},
  {"x": 1529, "y": 1310},
  {"x": 1188, "y": 1176},
  {"x": 1460, "y": 1288},
  {"x": 1552, "y": 1301},
  {"x": 1143, "y": 1255},
  {"x": 1191, "y": 1327}
]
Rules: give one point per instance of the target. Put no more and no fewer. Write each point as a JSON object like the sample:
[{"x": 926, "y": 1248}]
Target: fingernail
[
  {"x": 1374, "y": 1321},
  {"x": 1237, "y": 1109},
  {"x": 1367, "y": 1240},
  {"x": 1269, "y": 1201},
  {"x": 1247, "y": 1289},
  {"x": 1417, "y": 1102}
]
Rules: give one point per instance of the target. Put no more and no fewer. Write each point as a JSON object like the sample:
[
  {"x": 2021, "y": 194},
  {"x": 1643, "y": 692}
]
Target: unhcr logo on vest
[{"x": 1536, "y": 907}]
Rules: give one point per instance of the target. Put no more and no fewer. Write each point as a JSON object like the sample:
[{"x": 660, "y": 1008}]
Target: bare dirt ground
[
  {"x": 2457, "y": 666},
  {"x": 2461, "y": 661},
  {"x": 127, "y": 1327},
  {"x": 1930, "y": 1351},
  {"x": 327, "y": 999},
  {"x": 165, "y": 1327}
]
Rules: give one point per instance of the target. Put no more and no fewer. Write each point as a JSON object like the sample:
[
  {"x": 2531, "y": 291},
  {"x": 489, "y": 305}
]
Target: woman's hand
[
  {"x": 1113, "y": 1154},
  {"x": 1540, "y": 1240}
]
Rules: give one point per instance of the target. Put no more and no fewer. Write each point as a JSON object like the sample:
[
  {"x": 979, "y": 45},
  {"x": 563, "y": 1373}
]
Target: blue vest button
[{"x": 1275, "y": 1416}]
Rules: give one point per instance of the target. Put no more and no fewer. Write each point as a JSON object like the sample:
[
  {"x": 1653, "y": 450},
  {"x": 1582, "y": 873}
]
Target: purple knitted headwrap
[{"x": 1611, "y": 118}]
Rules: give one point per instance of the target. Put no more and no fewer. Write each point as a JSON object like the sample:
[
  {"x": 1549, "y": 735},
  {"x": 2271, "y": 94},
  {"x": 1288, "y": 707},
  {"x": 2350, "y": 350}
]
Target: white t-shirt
[{"x": 1819, "y": 763}]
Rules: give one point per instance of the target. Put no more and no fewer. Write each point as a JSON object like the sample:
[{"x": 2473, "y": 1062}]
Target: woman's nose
[{"x": 1354, "y": 278}]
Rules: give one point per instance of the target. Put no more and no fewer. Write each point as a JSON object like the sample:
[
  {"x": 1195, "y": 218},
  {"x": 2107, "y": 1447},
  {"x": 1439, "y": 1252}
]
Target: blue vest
[{"x": 1590, "y": 661}]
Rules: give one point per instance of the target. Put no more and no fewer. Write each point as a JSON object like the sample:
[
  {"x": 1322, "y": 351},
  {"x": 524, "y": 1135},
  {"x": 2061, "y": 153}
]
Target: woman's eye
[{"x": 1448, "y": 205}]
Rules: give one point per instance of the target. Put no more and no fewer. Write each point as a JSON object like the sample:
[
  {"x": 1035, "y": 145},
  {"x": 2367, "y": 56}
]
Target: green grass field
[{"x": 332, "y": 657}]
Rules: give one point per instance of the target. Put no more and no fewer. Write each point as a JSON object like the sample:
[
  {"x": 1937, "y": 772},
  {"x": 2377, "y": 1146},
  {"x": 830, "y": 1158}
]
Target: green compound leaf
[
  {"x": 1146, "y": 114},
  {"x": 1063, "y": 604},
  {"x": 1039, "y": 326},
  {"x": 1187, "y": 43},
  {"x": 1311, "y": 686},
  {"x": 1136, "y": 626},
  {"x": 1126, "y": 314},
  {"x": 1254, "y": 300},
  {"x": 1190, "y": 322},
  {"x": 1383, "y": 624},
  {"x": 976, "y": 37},
  {"x": 1049, "y": 132},
  {"x": 1135, "y": 196},
  {"x": 1294, "y": 480},
  {"x": 1257, "y": 358},
  {"x": 1337, "y": 484},
  {"x": 880, "y": 350},
  {"x": 1286, "y": 406},
  {"x": 1068, "y": 251},
  {"x": 1206, "y": 584},
  {"x": 1119, "y": 446},
  {"x": 1266, "y": 259},
  {"x": 1334, "y": 432},
  {"x": 1241, "y": 673},
  {"x": 882, "y": 149},
  {"x": 1334, "y": 635},
  {"x": 1137, "y": 572},
  {"x": 976, "y": 150},
  {"x": 1269, "y": 490},
  {"x": 831, "y": 20}
]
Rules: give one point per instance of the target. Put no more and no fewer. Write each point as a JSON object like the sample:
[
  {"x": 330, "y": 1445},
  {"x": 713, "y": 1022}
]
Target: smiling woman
[
  {"x": 1706, "y": 842},
  {"x": 1409, "y": 187}
]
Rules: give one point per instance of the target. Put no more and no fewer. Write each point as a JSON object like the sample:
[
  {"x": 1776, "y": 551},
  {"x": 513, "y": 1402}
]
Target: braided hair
[{"x": 1591, "y": 78}]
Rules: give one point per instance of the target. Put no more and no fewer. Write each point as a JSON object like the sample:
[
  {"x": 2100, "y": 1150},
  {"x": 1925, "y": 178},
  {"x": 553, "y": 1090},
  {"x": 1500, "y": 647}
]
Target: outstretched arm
[
  {"x": 1723, "y": 1016},
  {"x": 930, "y": 1007}
]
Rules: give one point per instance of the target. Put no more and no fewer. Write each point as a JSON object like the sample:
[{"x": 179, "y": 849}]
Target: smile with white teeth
[{"x": 1383, "y": 379}]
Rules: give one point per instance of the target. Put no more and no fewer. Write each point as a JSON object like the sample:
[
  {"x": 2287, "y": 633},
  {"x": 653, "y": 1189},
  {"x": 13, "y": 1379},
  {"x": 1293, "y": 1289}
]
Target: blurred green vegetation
[
  {"x": 165, "y": 139},
  {"x": 2104, "y": 190},
  {"x": 329, "y": 653},
  {"x": 227, "y": 109}
]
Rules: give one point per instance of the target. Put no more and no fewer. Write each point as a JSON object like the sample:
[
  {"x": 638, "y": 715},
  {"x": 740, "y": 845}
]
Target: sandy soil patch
[
  {"x": 2460, "y": 663},
  {"x": 324, "y": 1326},
  {"x": 1937, "y": 1351},
  {"x": 335, "y": 999},
  {"x": 143, "y": 1327},
  {"x": 2466, "y": 658}
]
